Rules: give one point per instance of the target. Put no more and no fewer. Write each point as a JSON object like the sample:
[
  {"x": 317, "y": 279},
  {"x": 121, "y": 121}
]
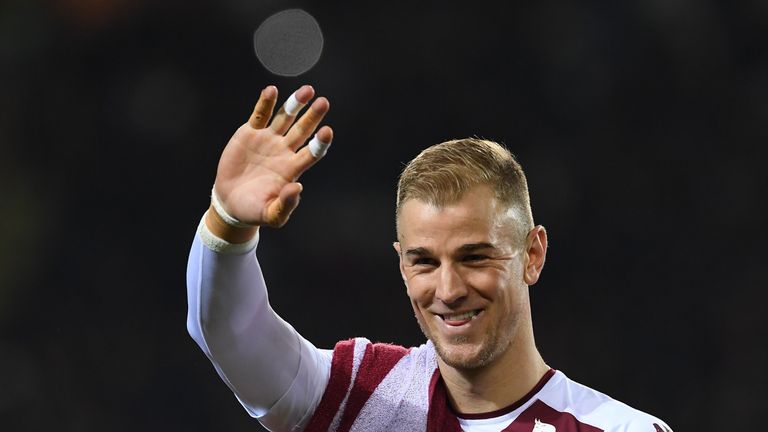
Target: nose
[{"x": 450, "y": 286}]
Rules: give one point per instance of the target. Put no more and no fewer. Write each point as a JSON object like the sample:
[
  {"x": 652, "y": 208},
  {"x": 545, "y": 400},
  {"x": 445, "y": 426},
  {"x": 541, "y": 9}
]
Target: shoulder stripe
[
  {"x": 341, "y": 377},
  {"x": 378, "y": 361}
]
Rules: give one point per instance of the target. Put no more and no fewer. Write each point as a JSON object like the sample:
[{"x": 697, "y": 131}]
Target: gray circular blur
[{"x": 289, "y": 42}]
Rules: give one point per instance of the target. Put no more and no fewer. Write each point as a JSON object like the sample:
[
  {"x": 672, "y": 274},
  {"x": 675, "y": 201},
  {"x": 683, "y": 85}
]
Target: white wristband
[
  {"x": 216, "y": 244},
  {"x": 231, "y": 221}
]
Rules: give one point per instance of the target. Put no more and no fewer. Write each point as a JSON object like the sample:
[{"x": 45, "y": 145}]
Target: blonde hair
[{"x": 441, "y": 175}]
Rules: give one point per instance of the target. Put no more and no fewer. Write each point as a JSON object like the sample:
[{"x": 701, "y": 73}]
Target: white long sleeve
[{"x": 276, "y": 374}]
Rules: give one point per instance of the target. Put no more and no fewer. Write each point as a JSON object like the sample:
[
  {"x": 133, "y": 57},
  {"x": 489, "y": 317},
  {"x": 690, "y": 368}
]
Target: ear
[
  {"x": 396, "y": 245},
  {"x": 535, "y": 254}
]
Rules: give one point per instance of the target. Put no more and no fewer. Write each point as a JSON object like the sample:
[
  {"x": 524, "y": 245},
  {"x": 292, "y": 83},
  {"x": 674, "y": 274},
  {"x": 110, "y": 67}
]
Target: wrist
[
  {"x": 222, "y": 212},
  {"x": 221, "y": 229}
]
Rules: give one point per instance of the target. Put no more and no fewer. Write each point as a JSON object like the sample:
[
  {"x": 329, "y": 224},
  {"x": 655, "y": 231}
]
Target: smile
[{"x": 460, "y": 318}]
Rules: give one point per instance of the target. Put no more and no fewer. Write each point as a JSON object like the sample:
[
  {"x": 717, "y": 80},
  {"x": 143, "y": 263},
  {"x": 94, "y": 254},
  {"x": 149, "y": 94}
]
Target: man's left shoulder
[
  {"x": 597, "y": 409},
  {"x": 617, "y": 416}
]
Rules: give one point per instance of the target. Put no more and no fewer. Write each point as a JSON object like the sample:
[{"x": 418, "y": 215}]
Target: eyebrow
[
  {"x": 419, "y": 251},
  {"x": 471, "y": 247}
]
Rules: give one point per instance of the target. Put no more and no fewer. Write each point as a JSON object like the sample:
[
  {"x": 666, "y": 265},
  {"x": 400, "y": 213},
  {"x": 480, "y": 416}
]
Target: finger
[
  {"x": 287, "y": 113},
  {"x": 281, "y": 208},
  {"x": 314, "y": 151},
  {"x": 263, "y": 110},
  {"x": 307, "y": 124}
]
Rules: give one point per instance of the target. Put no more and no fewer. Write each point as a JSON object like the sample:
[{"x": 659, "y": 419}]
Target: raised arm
[{"x": 276, "y": 374}]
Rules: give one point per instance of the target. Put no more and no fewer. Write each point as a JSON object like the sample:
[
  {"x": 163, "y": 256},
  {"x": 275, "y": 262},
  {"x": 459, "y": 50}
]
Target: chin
[
  {"x": 461, "y": 353},
  {"x": 465, "y": 355}
]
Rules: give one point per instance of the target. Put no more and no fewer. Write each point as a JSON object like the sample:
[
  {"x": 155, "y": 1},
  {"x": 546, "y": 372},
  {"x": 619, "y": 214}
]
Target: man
[{"x": 468, "y": 251}]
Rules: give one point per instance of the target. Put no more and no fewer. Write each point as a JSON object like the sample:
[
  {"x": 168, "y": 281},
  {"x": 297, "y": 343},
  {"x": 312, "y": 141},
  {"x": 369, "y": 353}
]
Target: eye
[
  {"x": 424, "y": 261},
  {"x": 475, "y": 257}
]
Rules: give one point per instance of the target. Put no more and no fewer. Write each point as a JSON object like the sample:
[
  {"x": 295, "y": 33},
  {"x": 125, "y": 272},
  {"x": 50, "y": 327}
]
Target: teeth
[{"x": 460, "y": 317}]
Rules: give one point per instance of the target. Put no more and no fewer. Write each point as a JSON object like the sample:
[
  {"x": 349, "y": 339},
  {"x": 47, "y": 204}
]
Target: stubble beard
[{"x": 491, "y": 347}]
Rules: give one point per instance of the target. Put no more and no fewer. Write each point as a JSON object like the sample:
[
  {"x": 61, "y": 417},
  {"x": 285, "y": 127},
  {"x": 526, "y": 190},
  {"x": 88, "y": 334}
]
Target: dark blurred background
[{"x": 639, "y": 124}]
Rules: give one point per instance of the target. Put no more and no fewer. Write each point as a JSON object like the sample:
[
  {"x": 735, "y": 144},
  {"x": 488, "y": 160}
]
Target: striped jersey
[{"x": 382, "y": 387}]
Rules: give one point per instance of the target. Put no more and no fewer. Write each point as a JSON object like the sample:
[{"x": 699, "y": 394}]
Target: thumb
[{"x": 280, "y": 209}]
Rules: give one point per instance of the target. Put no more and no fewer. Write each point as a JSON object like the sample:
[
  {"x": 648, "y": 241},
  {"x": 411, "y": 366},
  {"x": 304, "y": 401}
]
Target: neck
[{"x": 499, "y": 384}]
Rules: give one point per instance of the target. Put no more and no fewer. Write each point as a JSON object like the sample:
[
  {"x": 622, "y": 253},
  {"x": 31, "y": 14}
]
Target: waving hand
[{"x": 256, "y": 180}]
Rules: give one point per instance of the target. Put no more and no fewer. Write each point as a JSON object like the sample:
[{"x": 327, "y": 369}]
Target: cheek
[
  {"x": 419, "y": 291},
  {"x": 488, "y": 283},
  {"x": 501, "y": 282},
  {"x": 419, "y": 302},
  {"x": 513, "y": 298}
]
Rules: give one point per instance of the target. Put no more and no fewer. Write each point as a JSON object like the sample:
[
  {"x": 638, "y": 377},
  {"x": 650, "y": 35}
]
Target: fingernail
[
  {"x": 269, "y": 91},
  {"x": 321, "y": 104},
  {"x": 305, "y": 95}
]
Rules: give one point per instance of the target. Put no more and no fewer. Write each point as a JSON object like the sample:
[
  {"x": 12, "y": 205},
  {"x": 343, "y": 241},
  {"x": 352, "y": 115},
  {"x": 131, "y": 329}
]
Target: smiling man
[{"x": 468, "y": 252}]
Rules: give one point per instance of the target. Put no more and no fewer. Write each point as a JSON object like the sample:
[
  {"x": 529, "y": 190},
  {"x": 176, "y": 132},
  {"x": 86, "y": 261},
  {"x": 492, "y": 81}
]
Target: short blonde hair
[{"x": 441, "y": 174}]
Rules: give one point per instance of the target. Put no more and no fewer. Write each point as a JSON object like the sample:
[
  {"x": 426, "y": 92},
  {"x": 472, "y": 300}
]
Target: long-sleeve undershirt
[{"x": 276, "y": 374}]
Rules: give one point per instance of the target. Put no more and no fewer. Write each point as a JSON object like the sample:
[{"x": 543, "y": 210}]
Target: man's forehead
[
  {"x": 442, "y": 199},
  {"x": 448, "y": 230},
  {"x": 478, "y": 218},
  {"x": 473, "y": 210}
]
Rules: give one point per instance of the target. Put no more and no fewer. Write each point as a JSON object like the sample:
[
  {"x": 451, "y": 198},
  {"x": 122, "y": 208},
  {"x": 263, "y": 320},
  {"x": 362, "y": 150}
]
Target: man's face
[{"x": 463, "y": 268}]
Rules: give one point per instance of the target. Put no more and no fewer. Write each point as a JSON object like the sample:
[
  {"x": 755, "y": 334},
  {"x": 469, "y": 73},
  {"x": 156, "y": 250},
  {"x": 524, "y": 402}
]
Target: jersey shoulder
[
  {"x": 597, "y": 409},
  {"x": 371, "y": 383}
]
